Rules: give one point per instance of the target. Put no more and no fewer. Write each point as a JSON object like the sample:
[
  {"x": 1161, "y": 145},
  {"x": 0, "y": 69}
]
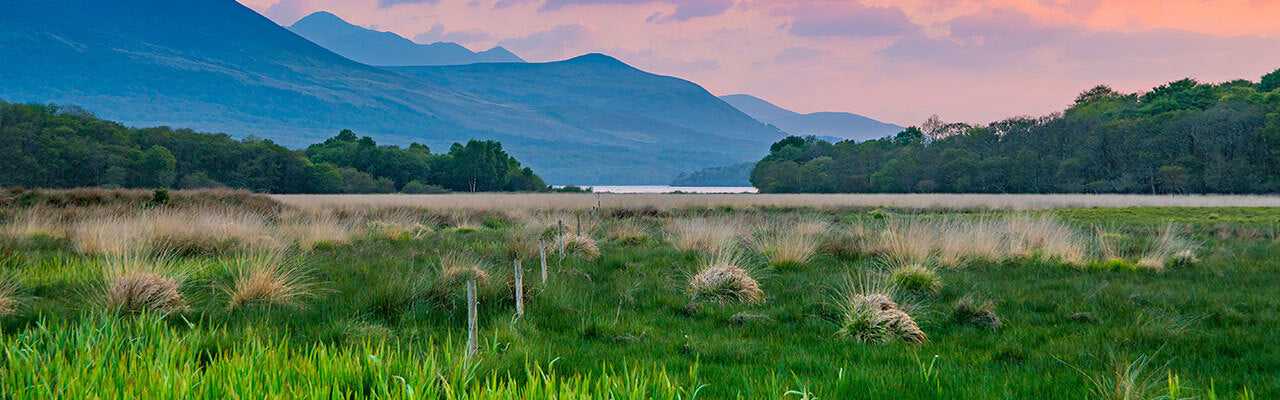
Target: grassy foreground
[{"x": 242, "y": 298}]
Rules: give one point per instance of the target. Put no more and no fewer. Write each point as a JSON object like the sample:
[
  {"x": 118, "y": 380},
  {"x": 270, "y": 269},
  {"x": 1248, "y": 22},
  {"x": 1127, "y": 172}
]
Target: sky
[{"x": 896, "y": 61}]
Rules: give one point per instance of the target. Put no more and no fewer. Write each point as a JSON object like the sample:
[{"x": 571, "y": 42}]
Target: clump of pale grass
[
  {"x": 958, "y": 241},
  {"x": 109, "y": 235},
  {"x": 792, "y": 245},
  {"x": 268, "y": 278},
  {"x": 710, "y": 235},
  {"x": 458, "y": 267},
  {"x": 202, "y": 231},
  {"x": 10, "y": 299},
  {"x": 905, "y": 242},
  {"x": 626, "y": 231},
  {"x": 398, "y": 224},
  {"x": 870, "y": 313},
  {"x": 1168, "y": 248},
  {"x": 38, "y": 220},
  {"x": 581, "y": 245},
  {"x": 310, "y": 229},
  {"x": 135, "y": 283},
  {"x": 1046, "y": 236},
  {"x": 721, "y": 278}
]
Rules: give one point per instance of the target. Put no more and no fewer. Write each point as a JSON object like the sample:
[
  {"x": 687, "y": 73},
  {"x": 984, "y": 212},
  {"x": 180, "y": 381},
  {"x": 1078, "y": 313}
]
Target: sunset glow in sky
[{"x": 897, "y": 61}]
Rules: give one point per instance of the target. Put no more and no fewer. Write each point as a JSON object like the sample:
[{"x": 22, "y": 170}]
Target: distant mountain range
[
  {"x": 840, "y": 125},
  {"x": 388, "y": 49},
  {"x": 215, "y": 65}
]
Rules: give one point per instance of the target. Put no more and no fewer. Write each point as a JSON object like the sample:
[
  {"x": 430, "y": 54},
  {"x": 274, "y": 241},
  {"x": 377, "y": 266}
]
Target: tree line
[
  {"x": 49, "y": 146},
  {"x": 1181, "y": 137}
]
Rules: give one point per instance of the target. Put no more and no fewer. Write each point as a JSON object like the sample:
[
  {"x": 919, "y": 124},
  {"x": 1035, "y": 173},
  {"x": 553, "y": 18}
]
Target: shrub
[
  {"x": 416, "y": 187},
  {"x": 721, "y": 279},
  {"x": 268, "y": 278}
]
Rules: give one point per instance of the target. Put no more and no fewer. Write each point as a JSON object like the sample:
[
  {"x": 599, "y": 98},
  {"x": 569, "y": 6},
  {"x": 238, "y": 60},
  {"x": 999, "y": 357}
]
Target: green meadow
[{"x": 230, "y": 295}]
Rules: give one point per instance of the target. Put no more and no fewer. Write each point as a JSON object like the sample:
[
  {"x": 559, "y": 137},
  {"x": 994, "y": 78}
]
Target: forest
[
  {"x": 1181, "y": 137},
  {"x": 51, "y": 146}
]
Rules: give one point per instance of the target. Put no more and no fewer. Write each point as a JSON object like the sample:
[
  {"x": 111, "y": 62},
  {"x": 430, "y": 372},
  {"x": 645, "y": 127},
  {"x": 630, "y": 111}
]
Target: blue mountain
[
  {"x": 841, "y": 125},
  {"x": 385, "y": 48},
  {"x": 215, "y": 65}
]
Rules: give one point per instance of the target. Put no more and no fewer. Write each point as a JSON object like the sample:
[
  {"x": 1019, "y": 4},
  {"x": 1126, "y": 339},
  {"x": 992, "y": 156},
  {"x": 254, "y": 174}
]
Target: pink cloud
[{"x": 898, "y": 61}]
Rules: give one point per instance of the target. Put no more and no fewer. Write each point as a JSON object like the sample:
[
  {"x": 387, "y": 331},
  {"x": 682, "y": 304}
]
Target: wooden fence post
[
  {"x": 519, "y": 290},
  {"x": 542, "y": 255},
  {"x": 472, "y": 346},
  {"x": 560, "y": 237}
]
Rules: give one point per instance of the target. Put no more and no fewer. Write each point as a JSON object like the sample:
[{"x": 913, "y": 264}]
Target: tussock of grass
[
  {"x": 311, "y": 229},
  {"x": 955, "y": 242},
  {"x": 268, "y": 278},
  {"x": 10, "y": 299},
  {"x": 915, "y": 277},
  {"x": 138, "y": 284},
  {"x": 708, "y": 235},
  {"x": 870, "y": 313},
  {"x": 722, "y": 279},
  {"x": 792, "y": 245},
  {"x": 457, "y": 267},
  {"x": 626, "y": 231},
  {"x": 580, "y": 245}
]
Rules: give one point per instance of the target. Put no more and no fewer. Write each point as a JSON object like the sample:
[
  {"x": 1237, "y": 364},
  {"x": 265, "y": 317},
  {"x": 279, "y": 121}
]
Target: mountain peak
[
  {"x": 596, "y": 58},
  {"x": 386, "y": 48}
]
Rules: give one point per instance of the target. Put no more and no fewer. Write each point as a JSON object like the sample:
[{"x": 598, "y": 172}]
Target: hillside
[
  {"x": 385, "y": 48},
  {"x": 214, "y": 65},
  {"x": 732, "y": 175},
  {"x": 597, "y": 82},
  {"x": 841, "y": 125}
]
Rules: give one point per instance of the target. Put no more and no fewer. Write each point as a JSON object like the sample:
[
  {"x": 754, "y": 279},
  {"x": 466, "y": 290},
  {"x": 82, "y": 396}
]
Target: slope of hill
[
  {"x": 732, "y": 175},
  {"x": 835, "y": 124},
  {"x": 597, "y": 82},
  {"x": 385, "y": 48},
  {"x": 214, "y": 65}
]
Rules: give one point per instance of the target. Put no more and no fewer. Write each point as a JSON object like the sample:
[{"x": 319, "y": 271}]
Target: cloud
[
  {"x": 798, "y": 54},
  {"x": 559, "y": 4},
  {"x": 437, "y": 34},
  {"x": 849, "y": 19},
  {"x": 389, "y": 3},
  {"x": 690, "y": 9},
  {"x": 555, "y": 43}
]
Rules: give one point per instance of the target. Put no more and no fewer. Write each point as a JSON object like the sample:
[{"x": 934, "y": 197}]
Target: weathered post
[
  {"x": 472, "y": 346},
  {"x": 560, "y": 237},
  {"x": 542, "y": 255},
  {"x": 519, "y": 290}
]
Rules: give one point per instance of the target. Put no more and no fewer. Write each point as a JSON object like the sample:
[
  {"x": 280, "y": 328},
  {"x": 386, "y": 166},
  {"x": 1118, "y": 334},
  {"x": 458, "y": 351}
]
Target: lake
[{"x": 669, "y": 189}]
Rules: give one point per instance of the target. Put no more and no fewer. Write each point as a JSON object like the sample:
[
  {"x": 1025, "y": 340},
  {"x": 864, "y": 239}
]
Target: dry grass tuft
[
  {"x": 1046, "y": 236},
  {"x": 904, "y": 242},
  {"x": 268, "y": 278},
  {"x": 137, "y": 284},
  {"x": 311, "y": 229},
  {"x": 457, "y": 267},
  {"x": 709, "y": 235},
  {"x": 10, "y": 300},
  {"x": 626, "y": 231},
  {"x": 721, "y": 279},
  {"x": 871, "y": 315},
  {"x": 581, "y": 245}
]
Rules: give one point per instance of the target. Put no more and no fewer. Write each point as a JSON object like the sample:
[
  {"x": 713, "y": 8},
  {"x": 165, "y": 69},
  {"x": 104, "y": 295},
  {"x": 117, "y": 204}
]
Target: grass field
[{"x": 231, "y": 295}]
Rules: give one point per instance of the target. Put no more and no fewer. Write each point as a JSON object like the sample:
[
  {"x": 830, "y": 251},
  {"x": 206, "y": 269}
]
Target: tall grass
[
  {"x": 269, "y": 278},
  {"x": 708, "y": 235},
  {"x": 143, "y": 358}
]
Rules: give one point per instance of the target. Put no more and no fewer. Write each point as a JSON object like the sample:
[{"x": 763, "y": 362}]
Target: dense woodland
[
  {"x": 1182, "y": 137},
  {"x": 61, "y": 147}
]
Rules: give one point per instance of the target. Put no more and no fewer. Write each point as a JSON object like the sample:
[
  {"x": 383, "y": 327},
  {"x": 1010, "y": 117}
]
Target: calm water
[{"x": 669, "y": 189}]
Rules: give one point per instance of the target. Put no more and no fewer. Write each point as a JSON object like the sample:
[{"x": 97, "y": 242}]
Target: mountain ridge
[
  {"x": 381, "y": 48},
  {"x": 840, "y": 125}
]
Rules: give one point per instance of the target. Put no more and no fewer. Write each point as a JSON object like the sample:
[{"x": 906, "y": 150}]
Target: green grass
[{"x": 623, "y": 326}]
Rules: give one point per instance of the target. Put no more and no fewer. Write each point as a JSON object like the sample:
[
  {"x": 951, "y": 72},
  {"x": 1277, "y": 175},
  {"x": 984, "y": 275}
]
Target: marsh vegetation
[{"x": 220, "y": 293}]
